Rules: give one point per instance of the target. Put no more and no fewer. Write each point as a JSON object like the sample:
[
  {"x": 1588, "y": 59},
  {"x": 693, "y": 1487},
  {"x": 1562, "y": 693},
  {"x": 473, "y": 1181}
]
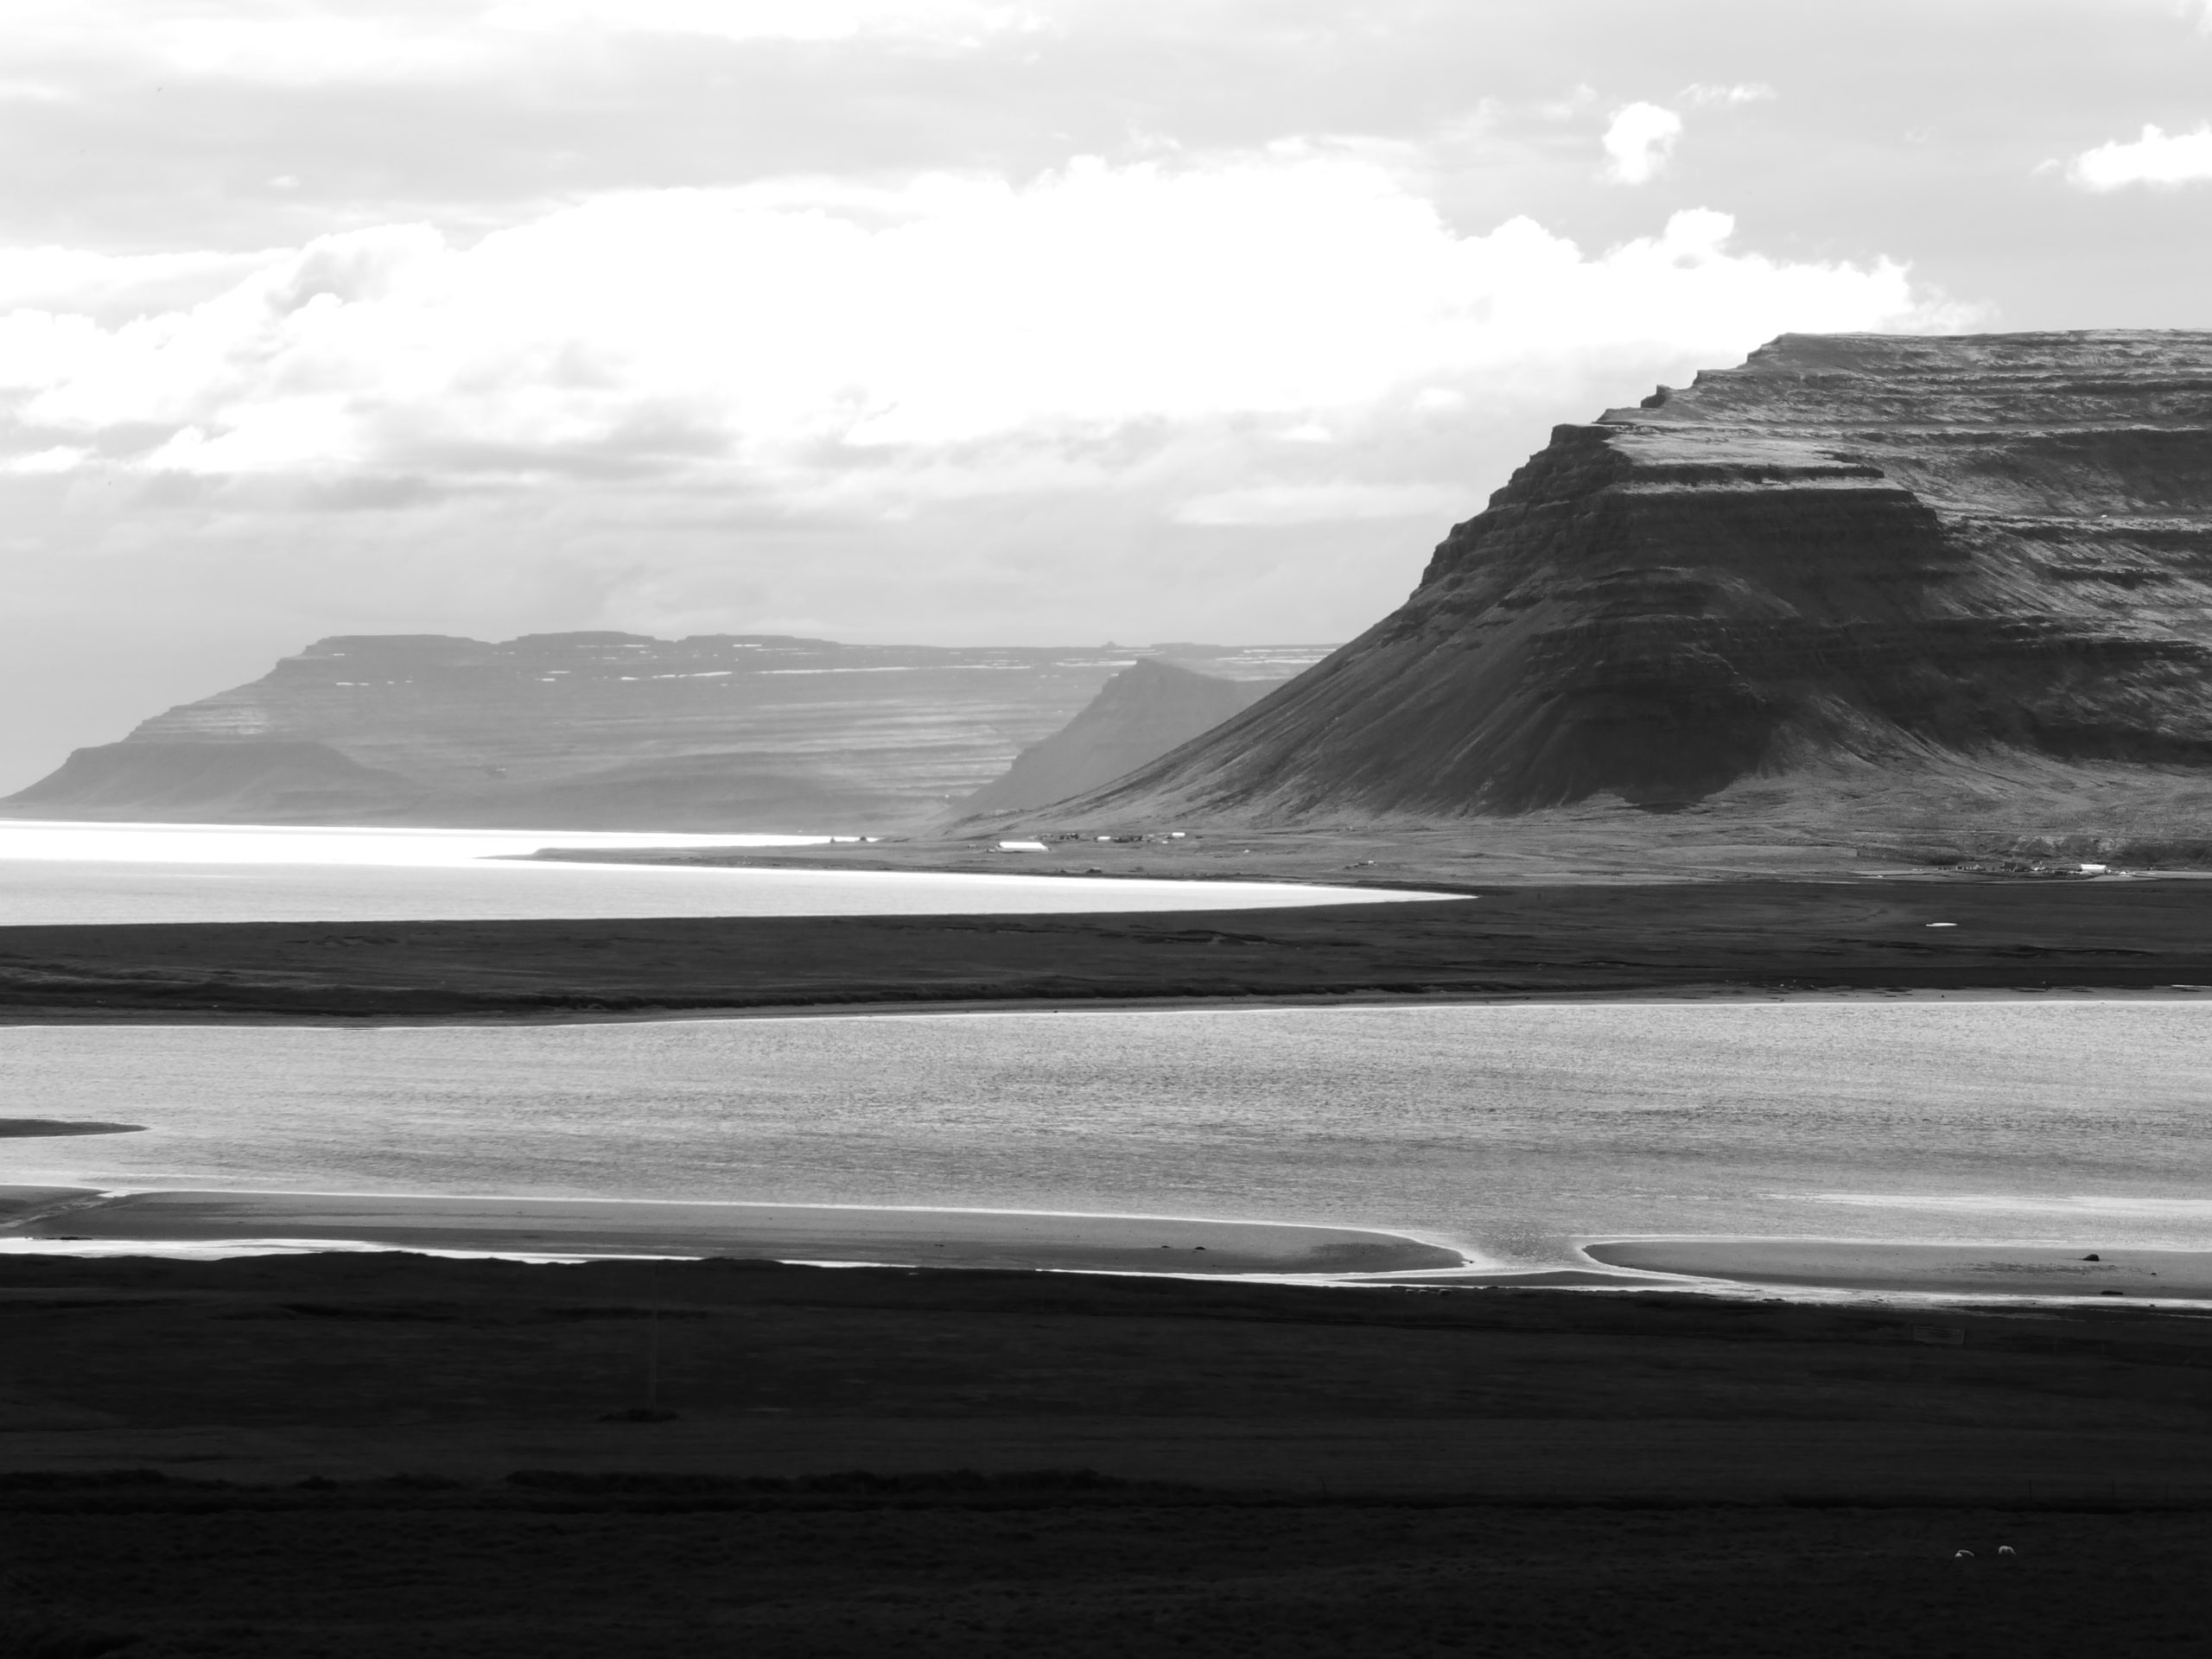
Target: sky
[{"x": 955, "y": 322}]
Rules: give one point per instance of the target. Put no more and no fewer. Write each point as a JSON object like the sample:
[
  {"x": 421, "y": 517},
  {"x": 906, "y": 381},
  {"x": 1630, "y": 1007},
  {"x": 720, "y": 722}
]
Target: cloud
[
  {"x": 806, "y": 20},
  {"x": 308, "y": 42},
  {"x": 1236, "y": 396},
  {"x": 839, "y": 344},
  {"x": 1638, "y": 142},
  {"x": 2156, "y": 158},
  {"x": 112, "y": 286},
  {"x": 1704, "y": 93},
  {"x": 61, "y": 459},
  {"x": 1308, "y": 503}
]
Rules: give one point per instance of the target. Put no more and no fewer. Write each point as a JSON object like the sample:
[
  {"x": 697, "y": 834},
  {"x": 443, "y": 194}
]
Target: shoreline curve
[
  {"x": 2040, "y": 1270},
  {"x": 882, "y": 1236}
]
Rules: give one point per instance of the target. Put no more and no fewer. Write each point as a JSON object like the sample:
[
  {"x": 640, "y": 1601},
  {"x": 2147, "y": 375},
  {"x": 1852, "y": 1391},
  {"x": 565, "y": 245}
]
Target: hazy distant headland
[{"x": 765, "y": 732}]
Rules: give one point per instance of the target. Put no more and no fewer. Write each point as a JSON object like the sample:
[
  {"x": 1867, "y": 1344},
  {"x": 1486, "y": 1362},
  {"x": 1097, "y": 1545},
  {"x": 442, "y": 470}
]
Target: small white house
[{"x": 1021, "y": 846}]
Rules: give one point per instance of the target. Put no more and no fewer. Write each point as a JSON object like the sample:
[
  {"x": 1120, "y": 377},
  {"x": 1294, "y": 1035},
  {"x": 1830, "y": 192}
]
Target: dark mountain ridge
[{"x": 1957, "y": 573}]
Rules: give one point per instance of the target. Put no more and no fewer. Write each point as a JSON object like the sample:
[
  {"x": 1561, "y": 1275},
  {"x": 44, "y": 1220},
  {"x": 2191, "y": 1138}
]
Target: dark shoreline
[{"x": 1663, "y": 939}]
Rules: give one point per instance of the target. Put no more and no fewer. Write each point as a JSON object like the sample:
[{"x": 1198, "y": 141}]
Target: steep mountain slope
[
  {"x": 736, "y": 733},
  {"x": 1147, "y": 709},
  {"x": 1959, "y": 573}
]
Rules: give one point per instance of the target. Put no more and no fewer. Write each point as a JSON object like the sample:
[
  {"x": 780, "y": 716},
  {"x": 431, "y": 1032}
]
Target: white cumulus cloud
[
  {"x": 1638, "y": 142},
  {"x": 2156, "y": 158},
  {"x": 1231, "y": 397},
  {"x": 1706, "y": 92},
  {"x": 920, "y": 338}
]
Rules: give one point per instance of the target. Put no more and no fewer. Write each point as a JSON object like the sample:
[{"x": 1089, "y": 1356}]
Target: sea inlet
[{"x": 1512, "y": 1134}]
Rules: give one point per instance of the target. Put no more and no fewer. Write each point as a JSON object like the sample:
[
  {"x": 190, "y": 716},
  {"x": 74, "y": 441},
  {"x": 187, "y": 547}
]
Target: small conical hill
[{"x": 1141, "y": 713}]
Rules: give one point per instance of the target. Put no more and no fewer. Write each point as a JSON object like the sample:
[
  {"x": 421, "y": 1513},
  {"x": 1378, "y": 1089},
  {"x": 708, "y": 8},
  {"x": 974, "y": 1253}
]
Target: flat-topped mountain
[
  {"x": 724, "y": 732},
  {"x": 1147, "y": 709},
  {"x": 1956, "y": 575}
]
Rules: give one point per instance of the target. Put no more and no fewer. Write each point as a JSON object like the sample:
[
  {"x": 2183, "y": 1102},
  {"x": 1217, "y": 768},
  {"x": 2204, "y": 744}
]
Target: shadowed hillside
[{"x": 1144, "y": 711}]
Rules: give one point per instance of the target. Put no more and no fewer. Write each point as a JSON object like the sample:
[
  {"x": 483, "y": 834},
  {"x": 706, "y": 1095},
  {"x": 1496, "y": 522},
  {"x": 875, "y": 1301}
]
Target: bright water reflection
[
  {"x": 1511, "y": 1130},
  {"x": 69, "y": 874},
  {"x": 50, "y": 841}
]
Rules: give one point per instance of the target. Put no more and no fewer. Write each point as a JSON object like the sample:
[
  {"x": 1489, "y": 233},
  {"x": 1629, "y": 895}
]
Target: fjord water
[
  {"x": 1510, "y": 1130},
  {"x": 70, "y": 874}
]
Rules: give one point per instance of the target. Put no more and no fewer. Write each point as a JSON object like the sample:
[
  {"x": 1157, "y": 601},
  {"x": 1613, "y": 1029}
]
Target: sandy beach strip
[
  {"x": 955, "y": 1238},
  {"x": 1932, "y": 1269}
]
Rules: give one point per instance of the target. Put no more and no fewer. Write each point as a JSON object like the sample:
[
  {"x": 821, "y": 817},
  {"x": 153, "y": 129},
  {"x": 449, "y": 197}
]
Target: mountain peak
[{"x": 1982, "y": 561}]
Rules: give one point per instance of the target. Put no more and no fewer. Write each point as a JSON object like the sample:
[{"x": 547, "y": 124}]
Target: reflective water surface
[
  {"x": 1509, "y": 1129},
  {"x": 82, "y": 872}
]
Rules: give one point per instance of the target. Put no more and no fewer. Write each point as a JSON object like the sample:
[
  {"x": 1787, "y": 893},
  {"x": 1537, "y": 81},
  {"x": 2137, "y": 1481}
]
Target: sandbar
[
  {"x": 19, "y": 1204},
  {"x": 955, "y": 1238},
  {"x": 1935, "y": 1269},
  {"x": 23, "y": 1128}
]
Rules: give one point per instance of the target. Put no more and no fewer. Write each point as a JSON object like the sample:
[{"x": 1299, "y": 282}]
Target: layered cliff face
[
  {"x": 1983, "y": 562},
  {"x": 1147, "y": 709},
  {"x": 760, "y": 733}
]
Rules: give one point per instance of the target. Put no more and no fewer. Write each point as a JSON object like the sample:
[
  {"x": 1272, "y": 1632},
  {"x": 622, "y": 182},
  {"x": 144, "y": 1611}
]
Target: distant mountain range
[
  {"x": 1899, "y": 580},
  {"x": 616, "y": 731}
]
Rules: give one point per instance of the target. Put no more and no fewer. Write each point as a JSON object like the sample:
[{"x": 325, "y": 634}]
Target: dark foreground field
[
  {"x": 379, "y": 1576},
  {"x": 387, "y": 1455},
  {"x": 1674, "y": 938}
]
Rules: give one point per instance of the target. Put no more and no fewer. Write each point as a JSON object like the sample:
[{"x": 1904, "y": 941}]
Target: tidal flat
[
  {"x": 585, "y": 1227},
  {"x": 1508, "y": 1134}
]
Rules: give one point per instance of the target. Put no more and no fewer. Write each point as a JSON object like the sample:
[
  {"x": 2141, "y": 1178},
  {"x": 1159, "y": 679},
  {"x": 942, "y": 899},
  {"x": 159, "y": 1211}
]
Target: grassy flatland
[
  {"x": 327, "y": 1444},
  {"x": 1132, "y": 1581},
  {"x": 1584, "y": 939}
]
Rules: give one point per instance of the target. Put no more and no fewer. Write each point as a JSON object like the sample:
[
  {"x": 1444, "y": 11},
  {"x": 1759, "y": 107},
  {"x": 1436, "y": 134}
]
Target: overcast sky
[{"x": 953, "y": 320}]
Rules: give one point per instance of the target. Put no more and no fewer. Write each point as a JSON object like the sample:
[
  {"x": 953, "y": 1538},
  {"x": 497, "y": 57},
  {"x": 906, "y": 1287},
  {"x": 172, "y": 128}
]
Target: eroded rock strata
[
  {"x": 738, "y": 732},
  {"x": 1972, "y": 571}
]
